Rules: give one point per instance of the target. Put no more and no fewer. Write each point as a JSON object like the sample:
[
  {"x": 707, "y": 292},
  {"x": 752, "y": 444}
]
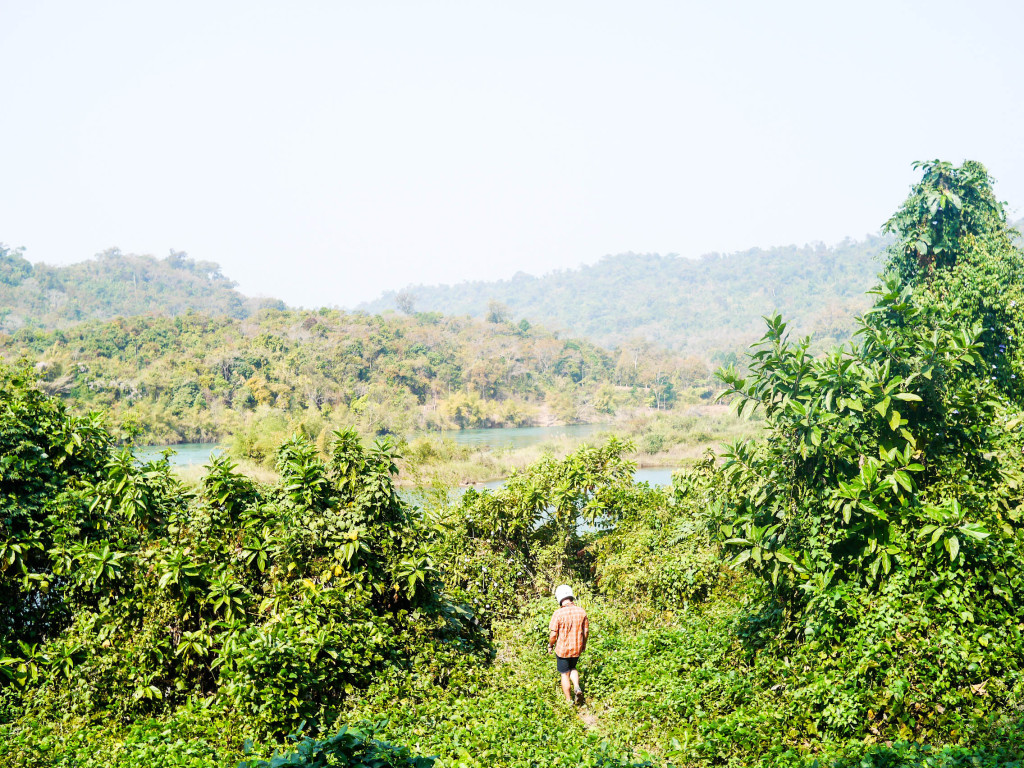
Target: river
[
  {"x": 185, "y": 454},
  {"x": 198, "y": 454}
]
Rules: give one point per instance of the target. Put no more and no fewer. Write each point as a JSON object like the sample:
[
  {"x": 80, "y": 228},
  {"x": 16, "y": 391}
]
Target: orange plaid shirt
[{"x": 569, "y": 627}]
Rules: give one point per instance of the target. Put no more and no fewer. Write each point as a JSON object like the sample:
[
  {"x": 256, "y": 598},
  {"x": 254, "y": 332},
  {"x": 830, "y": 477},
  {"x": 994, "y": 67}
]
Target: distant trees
[
  {"x": 497, "y": 312},
  {"x": 14, "y": 268},
  {"x": 112, "y": 284},
  {"x": 693, "y": 306},
  {"x": 196, "y": 377},
  {"x": 406, "y": 302}
]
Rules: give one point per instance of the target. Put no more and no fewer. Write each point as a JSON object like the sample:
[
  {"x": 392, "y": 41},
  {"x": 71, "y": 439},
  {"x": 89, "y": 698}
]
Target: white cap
[{"x": 562, "y": 592}]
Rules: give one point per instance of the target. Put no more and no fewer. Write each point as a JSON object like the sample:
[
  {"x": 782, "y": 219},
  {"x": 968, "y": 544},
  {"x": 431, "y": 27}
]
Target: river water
[
  {"x": 198, "y": 454},
  {"x": 185, "y": 454}
]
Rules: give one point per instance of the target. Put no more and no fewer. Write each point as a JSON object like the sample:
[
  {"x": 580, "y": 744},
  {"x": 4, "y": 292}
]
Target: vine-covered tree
[{"x": 886, "y": 500}]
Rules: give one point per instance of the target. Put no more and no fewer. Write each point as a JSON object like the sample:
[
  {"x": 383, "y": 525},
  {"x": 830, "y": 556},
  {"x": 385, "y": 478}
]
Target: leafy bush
[
  {"x": 349, "y": 747},
  {"x": 662, "y": 552},
  {"x": 525, "y": 536},
  {"x": 884, "y": 510},
  {"x": 129, "y": 595}
]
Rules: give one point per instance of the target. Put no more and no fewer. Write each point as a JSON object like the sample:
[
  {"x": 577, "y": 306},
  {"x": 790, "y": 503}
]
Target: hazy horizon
[
  {"x": 326, "y": 153},
  {"x": 399, "y": 287}
]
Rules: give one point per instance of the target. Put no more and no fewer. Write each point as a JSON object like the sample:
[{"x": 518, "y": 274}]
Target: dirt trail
[{"x": 588, "y": 717}]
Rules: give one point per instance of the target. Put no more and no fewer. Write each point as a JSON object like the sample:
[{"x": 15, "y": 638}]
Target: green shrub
[
  {"x": 883, "y": 511},
  {"x": 652, "y": 442},
  {"x": 349, "y": 747}
]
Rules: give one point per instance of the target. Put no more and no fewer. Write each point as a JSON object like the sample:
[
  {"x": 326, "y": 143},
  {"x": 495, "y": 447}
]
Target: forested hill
[
  {"x": 703, "y": 306},
  {"x": 198, "y": 377},
  {"x": 113, "y": 284},
  {"x": 711, "y": 307}
]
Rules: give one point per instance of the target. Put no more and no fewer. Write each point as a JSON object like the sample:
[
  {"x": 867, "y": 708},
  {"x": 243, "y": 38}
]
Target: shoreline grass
[{"x": 662, "y": 439}]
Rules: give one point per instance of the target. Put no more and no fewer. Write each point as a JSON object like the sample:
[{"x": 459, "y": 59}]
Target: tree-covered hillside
[
  {"x": 710, "y": 306},
  {"x": 113, "y": 284},
  {"x": 196, "y": 377}
]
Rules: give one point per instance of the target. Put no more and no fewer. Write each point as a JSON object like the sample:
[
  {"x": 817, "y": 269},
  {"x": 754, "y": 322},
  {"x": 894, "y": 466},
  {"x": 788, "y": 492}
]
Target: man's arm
[
  {"x": 553, "y": 636},
  {"x": 586, "y": 633}
]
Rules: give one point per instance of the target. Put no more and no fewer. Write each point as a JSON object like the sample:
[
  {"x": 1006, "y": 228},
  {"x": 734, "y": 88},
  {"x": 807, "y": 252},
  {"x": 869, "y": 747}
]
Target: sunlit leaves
[
  {"x": 874, "y": 450},
  {"x": 167, "y": 590}
]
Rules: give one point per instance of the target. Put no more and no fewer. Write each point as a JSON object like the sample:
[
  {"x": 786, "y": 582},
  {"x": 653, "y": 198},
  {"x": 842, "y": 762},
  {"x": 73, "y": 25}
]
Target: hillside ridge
[
  {"x": 195, "y": 377},
  {"x": 711, "y": 306},
  {"x": 113, "y": 284}
]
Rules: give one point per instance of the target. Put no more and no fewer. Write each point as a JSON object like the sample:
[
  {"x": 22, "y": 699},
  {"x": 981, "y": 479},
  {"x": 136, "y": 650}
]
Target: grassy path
[
  {"x": 508, "y": 713},
  {"x": 526, "y": 664},
  {"x": 511, "y": 712},
  {"x": 523, "y": 661}
]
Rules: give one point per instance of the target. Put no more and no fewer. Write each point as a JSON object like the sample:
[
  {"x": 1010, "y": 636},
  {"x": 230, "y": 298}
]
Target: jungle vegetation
[
  {"x": 199, "y": 378},
  {"x": 843, "y": 590}
]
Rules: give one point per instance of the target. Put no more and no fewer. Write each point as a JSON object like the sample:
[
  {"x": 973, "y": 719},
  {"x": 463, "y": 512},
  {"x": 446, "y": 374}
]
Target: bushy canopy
[
  {"x": 885, "y": 508},
  {"x": 123, "y": 591}
]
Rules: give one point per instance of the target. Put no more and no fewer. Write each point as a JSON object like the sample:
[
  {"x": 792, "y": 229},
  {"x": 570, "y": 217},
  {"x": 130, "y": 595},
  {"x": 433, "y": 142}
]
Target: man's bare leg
[
  {"x": 574, "y": 677},
  {"x": 566, "y": 689}
]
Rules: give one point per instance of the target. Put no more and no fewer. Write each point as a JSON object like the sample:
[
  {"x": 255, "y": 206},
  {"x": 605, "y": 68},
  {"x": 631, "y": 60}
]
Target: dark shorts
[{"x": 567, "y": 665}]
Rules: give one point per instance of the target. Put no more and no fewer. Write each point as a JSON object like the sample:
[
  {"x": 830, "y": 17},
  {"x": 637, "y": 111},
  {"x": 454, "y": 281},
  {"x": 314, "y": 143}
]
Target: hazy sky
[{"x": 324, "y": 152}]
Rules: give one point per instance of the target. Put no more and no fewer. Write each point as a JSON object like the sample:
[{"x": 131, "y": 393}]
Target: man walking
[{"x": 569, "y": 630}]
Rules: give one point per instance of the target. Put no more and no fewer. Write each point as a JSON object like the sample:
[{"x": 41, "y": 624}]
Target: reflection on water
[
  {"x": 653, "y": 475},
  {"x": 198, "y": 454},
  {"x": 419, "y": 497}
]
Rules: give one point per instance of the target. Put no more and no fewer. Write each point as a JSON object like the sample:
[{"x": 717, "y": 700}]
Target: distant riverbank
[{"x": 486, "y": 457}]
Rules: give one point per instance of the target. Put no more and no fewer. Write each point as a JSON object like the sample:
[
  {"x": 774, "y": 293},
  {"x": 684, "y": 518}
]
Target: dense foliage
[
  {"x": 843, "y": 591},
  {"x": 709, "y": 307},
  {"x": 524, "y": 538},
  {"x": 112, "y": 284},
  {"x": 885, "y": 509},
  {"x": 128, "y": 594},
  {"x": 196, "y": 378},
  {"x": 212, "y": 616}
]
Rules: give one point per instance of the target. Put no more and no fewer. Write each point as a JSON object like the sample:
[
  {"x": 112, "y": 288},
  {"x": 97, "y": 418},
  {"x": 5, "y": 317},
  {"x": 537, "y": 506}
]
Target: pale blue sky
[{"x": 323, "y": 152}]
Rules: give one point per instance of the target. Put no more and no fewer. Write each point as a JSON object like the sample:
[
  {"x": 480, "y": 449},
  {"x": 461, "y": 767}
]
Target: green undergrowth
[
  {"x": 510, "y": 712},
  {"x": 685, "y": 688},
  {"x": 186, "y": 740},
  {"x": 664, "y": 688}
]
